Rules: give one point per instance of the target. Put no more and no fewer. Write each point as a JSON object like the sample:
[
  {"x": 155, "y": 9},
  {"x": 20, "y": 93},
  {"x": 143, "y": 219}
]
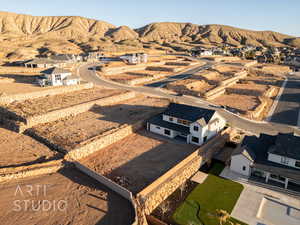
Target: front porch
[{"x": 274, "y": 179}]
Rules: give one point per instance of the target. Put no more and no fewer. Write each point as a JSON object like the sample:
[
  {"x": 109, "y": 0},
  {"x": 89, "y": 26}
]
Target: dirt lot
[
  {"x": 46, "y": 104},
  {"x": 229, "y": 69},
  {"x": 139, "y": 159},
  {"x": 241, "y": 103},
  {"x": 77, "y": 199},
  {"x": 247, "y": 89},
  {"x": 24, "y": 83},
  {"x": 70, "y": 132},
  {"x": 18, "y": 149}
]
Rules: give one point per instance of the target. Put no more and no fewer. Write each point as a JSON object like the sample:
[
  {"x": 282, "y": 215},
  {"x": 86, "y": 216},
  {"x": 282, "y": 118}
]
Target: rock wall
[
  {"x": 12, "y": 173},
  {"x": 102, "y": 141},
  {"x": 53, "y": 91},
  {"x": 69, "y": 111}
]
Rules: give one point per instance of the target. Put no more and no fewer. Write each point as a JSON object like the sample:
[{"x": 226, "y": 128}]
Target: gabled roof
[
  {"x": 245, "y": 151},
  {"x": 187, "y": 112},
  {"x": 55, "y": 70}
]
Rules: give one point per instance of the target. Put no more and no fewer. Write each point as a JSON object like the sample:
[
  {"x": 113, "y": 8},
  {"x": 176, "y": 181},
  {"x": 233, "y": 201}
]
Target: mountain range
[{"x": 31, "y": 35}]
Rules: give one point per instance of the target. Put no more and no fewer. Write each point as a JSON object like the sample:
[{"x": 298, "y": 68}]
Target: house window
[
  {"x": 171, "y": 119},
  {"x": 244, "y": 168},
  {"x": 205, "y": 139},
  {"x": 284, "y": 160},
  {"x": 184, "y": 122},
  {"x": 297, "y": 164},
  {"x": 167, "y": 132},
  {"x": 158, "y": 128},
  {"x": 57, "y": 77},
  {"x": 196, "y": 128},
  {"x": 195, "y": 139}
]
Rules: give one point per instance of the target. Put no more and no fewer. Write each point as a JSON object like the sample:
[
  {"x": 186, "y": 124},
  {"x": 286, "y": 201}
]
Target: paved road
[
  {"x": 233, "y": 119},
  {"x": 287, "y": 109},
  {"x": 180, "y": 76}
]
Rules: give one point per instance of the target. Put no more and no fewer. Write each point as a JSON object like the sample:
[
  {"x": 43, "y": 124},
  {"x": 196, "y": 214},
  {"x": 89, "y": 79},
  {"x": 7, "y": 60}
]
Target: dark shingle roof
[
  {"x": 246, "y": 151},
  {"x": 260, "y": 147},
  {"x": 55, "y": 70},
  {"x": 158, "y": 120},
  {"x": 287, "y": 145},
  {"x": 187, "y": 112}
]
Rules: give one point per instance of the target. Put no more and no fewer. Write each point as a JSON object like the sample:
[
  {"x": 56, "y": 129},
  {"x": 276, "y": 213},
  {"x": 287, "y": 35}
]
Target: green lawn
[
  {"x": 216, "y": 168},
  {"x": 201, "y": 204}
]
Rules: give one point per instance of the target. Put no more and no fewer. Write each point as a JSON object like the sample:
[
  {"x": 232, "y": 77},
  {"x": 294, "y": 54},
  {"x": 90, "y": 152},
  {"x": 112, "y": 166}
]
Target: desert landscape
[{"x": 114, "y": 125}]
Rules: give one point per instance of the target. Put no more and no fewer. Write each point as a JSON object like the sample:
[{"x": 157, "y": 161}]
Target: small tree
[
  {"x": 223, "y": 216},
  {"x": 164, "y": 207},
  {"x": 182, "y": 188}
]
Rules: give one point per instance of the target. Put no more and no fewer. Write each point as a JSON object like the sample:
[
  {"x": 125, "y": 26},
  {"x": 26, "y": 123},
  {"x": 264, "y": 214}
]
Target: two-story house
[
  {"x": 58, "y": 76},
  {"x": 194, "y": 125},
  {"x": 272, "y": 158}
]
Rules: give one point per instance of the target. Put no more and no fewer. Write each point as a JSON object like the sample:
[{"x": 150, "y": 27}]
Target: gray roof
[
  {"x": 158, "y": 120},
  {"x": 72, "y": 77},
  {"x": 55, "y": 70},
  {"x": 190, "y": 113},
  {"x": 287, "y": 145},
  {"x": 261, "y": 147}
]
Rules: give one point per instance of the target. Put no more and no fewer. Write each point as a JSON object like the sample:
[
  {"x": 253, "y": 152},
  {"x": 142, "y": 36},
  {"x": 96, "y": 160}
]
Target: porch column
[
  {"x": 286, "y": 183},
  {"x": 267, "y": 177}
]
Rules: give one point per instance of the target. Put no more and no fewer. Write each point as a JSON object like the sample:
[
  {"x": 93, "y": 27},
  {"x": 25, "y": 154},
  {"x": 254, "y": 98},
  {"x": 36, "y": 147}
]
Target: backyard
[{"x": 213, "y": 194}]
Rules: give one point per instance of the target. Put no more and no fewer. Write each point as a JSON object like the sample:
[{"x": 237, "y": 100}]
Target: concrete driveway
[{"x": 261, "y": 206}]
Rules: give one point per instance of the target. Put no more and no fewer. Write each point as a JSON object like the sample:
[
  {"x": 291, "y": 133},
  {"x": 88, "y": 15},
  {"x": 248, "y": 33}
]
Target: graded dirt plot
[
  {"x": 139, "y": 159},
  {"x": 70, "y": 132},
  {"x": 23, "y": 84},
  {"x": 242, "y": 103},
  {"x": 247, "y": 89},
  {"x": 18, "y": 149},
  {"x": 43, "y": 105},
  {"x": 231, "y": 69},
  {"x": 191, "y": 86},
  {"x": 213, "y": 77},
  {"x": 66, "y": 197}
]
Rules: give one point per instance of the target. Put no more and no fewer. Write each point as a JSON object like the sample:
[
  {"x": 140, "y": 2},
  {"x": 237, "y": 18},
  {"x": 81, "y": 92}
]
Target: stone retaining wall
[
  {"x": 166, "y": 69},
  {"x": 68, "y": 111},
  {"x": 256, "y": 113},
  {"x": 12, "y": 173},
  {"x": 219, "y": 90},
  {"x": 37, "y": 94},
  {"x": 102, "y": 141}
]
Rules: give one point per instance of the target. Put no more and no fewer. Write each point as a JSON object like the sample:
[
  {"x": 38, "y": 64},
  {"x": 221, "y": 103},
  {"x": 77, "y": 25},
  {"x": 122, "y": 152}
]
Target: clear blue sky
[{"x": 277, "y": 15}]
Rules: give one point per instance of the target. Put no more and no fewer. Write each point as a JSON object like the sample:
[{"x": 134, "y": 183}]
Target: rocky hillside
[
  {"x": 213, "y": 34},
  {"x": 40, "y": 35}
]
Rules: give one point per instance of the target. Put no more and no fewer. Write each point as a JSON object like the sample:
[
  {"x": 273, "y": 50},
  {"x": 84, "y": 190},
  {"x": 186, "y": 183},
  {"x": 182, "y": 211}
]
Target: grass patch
[
  {"x": 217, "y": 168},
  {"x": 200, "y": 206}
]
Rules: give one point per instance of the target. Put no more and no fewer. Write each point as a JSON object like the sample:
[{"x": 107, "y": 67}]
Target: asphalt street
[
  {"x": 233, "y": 119},
  {"x": 287, "y": 109}
]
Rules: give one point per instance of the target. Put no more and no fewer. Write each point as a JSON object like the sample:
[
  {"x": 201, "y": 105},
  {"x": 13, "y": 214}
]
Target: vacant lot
[
  {"x": 139, "y": 159},
  {"x": 18, "y": 149},
  {"x": 80, "y": 199},
  {"x": 70, "y": 132},
  {"x": 201, "y": 204},
  {"x": 241, "y": 103},
  {"x": 247, "y": 89},
  {"x": 43, "y": 105}
]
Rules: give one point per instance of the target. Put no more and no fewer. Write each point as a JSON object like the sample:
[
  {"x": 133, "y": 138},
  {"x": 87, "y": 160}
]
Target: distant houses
[
  {"x": 188, "y": 123},
  {"x": 135, "y": 58}
]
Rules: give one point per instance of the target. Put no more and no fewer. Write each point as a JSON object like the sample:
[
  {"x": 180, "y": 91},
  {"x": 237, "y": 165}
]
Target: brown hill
[
  {"x": 213, "y": 34},
  {"x": 36, "y": 35}
]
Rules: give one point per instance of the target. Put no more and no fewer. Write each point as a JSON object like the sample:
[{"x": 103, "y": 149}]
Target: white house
[
  {"x": 274, "y": 159},
  {"x": 57, "y": 77},
  {"x": 194, "y": 125}
]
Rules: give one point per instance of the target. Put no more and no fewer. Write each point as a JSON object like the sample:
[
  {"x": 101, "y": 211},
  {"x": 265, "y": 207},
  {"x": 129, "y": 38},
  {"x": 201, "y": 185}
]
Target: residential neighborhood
[{"x": 153, "y": 122}]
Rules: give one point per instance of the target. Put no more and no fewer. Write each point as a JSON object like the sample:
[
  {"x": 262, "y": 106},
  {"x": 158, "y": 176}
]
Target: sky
[{"x": 277, "y": 15}]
